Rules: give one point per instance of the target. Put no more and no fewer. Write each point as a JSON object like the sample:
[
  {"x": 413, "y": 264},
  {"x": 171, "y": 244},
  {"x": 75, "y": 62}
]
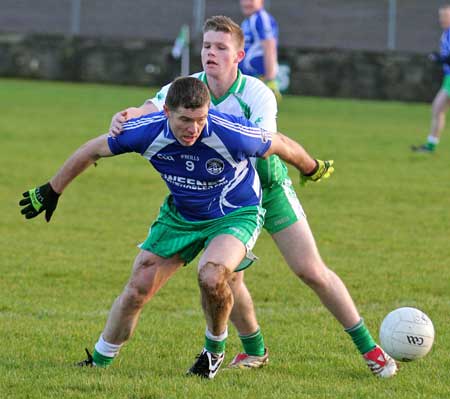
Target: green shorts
[
  {"x": 282, "y": 206},
  {"x": 172, "y": 234},
  {"x": 446, "y": 84}
]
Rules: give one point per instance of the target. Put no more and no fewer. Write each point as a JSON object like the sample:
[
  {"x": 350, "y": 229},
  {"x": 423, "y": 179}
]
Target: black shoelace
[{"x": 89, "y": 362}]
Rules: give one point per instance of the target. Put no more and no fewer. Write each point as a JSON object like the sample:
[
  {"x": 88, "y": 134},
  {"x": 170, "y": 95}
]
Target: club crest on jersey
[{"x": 214, "y": 166}]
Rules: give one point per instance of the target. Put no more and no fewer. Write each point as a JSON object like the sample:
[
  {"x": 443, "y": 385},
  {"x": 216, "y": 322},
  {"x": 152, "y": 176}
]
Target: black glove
[{"x": 39, "y": 199}]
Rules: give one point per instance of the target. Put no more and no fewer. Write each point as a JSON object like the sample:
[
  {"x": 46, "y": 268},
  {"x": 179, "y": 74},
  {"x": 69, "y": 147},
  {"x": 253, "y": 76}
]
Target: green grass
[{"x": 381, "y": 222}]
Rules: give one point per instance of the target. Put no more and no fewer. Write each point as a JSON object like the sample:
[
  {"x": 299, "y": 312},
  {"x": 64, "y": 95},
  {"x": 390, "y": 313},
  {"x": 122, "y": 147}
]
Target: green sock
[
  {"x": 215, "y": 346},
  {"x": 253, "y": 343},
  {"x": 361, "y": 337},
  {"x": 430, "y": 146},
  {"x": 100, "y": 360}
]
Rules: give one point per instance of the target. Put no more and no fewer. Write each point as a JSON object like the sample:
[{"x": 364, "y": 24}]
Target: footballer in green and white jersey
[{"x": 250, "y": 98}]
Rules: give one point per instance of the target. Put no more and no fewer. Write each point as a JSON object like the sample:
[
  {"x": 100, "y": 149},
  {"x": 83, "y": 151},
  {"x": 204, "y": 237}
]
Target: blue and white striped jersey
[
  {"x": 258, "y": 27},
  {"x": 250, "y": 98},
  {"x": 445, "y": 50},
  {"x": 212, "y": 177}
]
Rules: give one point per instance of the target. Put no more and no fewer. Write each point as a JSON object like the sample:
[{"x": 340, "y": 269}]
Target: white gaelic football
[{"x": 407, "y": 334}]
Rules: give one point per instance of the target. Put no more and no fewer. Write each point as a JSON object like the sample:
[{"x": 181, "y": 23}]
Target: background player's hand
[
  {"x": 323, "y": 170},
  {"x": 273, "y": 85},
  {"x": 39, "y": 199},
  {"x": 120, "y": 118},
  {"x": 434, "y": 56}
]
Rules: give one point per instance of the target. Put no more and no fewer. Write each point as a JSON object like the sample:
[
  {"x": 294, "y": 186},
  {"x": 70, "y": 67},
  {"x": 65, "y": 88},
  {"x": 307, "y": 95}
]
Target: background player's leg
[
  {"x": 438, "y": 110},
  {"x": 243, "y": 314},
  {"x": 243, "y": 317},
  {"x": 299, "y": 249}
]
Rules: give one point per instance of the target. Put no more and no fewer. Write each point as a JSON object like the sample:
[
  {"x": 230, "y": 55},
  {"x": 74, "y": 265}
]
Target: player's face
[
  {"x": 249, "y": 7},
  {"x": 187, "y": 123},
  {"x": 220, "y": 54},
  {"x": 444, "y": 18}
]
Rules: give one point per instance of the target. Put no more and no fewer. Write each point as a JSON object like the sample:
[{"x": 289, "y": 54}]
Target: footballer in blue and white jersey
[
  {"x": 445, "y": 50},
  {"x": 209, "y": 178},
  {"x": 248, "y": 97},
  {"x": 257, "y": 27},
  {"x": 441, "y": 100}
]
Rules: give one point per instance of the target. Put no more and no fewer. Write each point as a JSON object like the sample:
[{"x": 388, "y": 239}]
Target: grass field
[{"x": 381, "y": 222}]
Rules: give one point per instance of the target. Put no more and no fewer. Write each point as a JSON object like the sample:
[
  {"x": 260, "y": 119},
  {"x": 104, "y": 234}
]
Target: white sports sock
[
  {"x": 107, "y": 349},
  {"x": 219, "y": 338},
  {"x": 433, "y": 140}
]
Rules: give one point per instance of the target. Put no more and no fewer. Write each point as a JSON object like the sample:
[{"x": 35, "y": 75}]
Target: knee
[
  {"x": 213, "y": 278},
  {"x": 437, "y": 109},
  {"x": 236, "y": 281},
  {"x": 132, "y": 298},
  {"x": 314, "y": 274},
  {"x": 139, "y": 289}
]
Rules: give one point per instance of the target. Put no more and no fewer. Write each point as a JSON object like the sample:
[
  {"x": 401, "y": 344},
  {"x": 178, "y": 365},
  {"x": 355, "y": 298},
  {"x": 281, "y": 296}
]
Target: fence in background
[
  {"x": 374, "y": 25},
  {"x": 336, "y": 48}
]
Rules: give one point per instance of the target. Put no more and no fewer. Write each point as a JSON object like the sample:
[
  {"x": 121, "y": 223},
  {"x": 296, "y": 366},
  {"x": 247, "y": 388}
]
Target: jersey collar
[
  {"x": 167, "y": 131},
  {"x": 236, "y": 88}
]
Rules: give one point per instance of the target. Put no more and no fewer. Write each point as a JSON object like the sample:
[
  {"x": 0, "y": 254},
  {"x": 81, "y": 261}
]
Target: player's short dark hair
[
  {"x": 187, "y": 92},
  {"x": 221, "y": 23}
]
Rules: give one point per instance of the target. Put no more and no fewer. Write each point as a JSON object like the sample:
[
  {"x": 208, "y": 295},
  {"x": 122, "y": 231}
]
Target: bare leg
[
  {"x": 221, "y": 257},
  {"x": 438, "y": 110},
  {"x": 150, "y": 273},
  {"x": 299, "y": 249},
  {"x": 243, "y": 314}
]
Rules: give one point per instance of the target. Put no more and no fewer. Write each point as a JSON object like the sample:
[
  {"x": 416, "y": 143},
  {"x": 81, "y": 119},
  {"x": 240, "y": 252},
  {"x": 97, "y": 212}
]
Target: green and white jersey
[{"x": 250, "y": 98}]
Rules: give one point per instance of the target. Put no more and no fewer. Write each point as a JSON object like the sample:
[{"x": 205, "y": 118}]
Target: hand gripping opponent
[{"x": 39, "y": 199}]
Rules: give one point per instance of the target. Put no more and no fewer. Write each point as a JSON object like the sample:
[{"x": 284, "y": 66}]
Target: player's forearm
[
  {"x": 293, "y": 153},
  {"x": 148, "y": 107},
  {"x": 270, "y": 59},
  {"x": 79, "y": 161},
  {"x": 136, "y": 112},
  {"x": 270, "y": 70}
]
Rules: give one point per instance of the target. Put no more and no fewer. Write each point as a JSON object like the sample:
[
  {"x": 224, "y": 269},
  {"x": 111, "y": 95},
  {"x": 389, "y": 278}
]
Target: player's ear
[
  {"x": 166, "y": 110},
  {"x": 240, "y": 55}
]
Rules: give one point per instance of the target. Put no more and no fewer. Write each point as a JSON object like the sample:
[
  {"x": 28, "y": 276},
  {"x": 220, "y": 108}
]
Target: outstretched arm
[
  {"x": 45, "y": 197},
  {"x": 291, "y": 152},
  {"x": 80, "y": 160},
  {"x": 294, "y": 154}
]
